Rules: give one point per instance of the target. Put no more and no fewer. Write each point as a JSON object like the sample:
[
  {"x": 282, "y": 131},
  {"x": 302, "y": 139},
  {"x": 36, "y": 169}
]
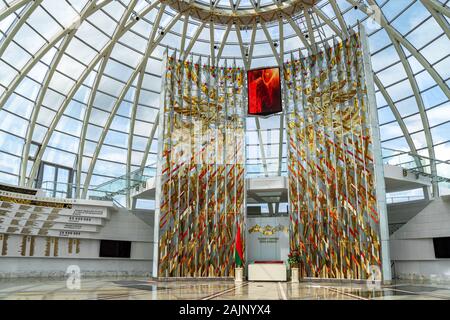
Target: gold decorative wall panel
[
  {"x": 332, "y": 200},
  {"x": 202, "y": 168}
]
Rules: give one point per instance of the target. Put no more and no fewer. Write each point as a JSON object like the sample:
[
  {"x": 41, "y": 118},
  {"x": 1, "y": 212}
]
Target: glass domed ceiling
[{"x": 80, "y": 80}]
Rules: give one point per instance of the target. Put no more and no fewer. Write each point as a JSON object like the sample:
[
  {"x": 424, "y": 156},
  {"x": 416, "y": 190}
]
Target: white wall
[
  {"x": 56, "y": 267},
  {"x": 122, "y": 225},
  {"x": 412, "y": 249}
]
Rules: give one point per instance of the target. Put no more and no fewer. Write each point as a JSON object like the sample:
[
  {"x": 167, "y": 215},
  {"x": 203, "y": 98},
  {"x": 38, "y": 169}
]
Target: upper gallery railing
[
  {"x": 418, "y": 164},
  {"x": 113, "y": 189}
]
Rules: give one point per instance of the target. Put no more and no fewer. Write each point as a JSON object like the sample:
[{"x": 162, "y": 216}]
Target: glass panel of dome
[
  {"x": 425, "y": 35},
  {"x": 91, "y": 36},
  {"x": 443, "y": 68},
  {"x": 397, "y": 144},
  {"x": 39, "y": 133},
  {"x": 61, "y": 83},
  {"x": 15, "y": 56},
  {"x": 45, "y": 118},
  {"x": 44, "y": 24},
  {"x": 10, "y": 144},
  {"x": 439, "y": 134},
  {"x": 407, "y": 107},
  {"x": 433, "y": 53},
  {"x": 385, "y": 115},
  {"x": 352, "y": 17},
  {"x": 392, "y": 74},
  {"x": 389, "y": 131},
  {"x": 7, "y": 74},
  {"x": 19, "y": 105},
  {"x": 400, "y": 90},
  {"x": 413, "y": 123},
  {"x": 420, "y": 141},
  {"x": 379, "y": 40},
  {"x": 433, "y": 97},
  {"x": 384, "y": 58},
  {"x": 29, "y": 40},
  {"x": 28, "y": 88}
]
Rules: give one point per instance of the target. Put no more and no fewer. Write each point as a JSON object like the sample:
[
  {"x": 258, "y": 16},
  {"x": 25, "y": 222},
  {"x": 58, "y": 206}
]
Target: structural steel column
[
  {"x": 380, "y": 186},
  {"x": 159, "y": 164}
]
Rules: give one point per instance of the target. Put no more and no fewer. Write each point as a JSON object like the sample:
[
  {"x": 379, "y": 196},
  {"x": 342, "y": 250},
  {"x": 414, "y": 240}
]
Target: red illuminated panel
[{"x": 264, "y": 91}]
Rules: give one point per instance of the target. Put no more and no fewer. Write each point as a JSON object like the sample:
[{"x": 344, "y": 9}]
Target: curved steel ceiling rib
[
  {"x": 438, "y": 17},
  {"x": 403, "y": 41},
  {"x": 440, "y": 7},
  {"x": 399, "y": 119},
  {"x": 149, "y": 142},
  {"x": 37, "y": 106},
  {"x": 269, "y": 40},
  {"x": 422, "y": 111},
  {"x": 383, "y": 91},
  {"x": 42, "y": 91},
  {"x": 136, "y": 102},
  {"x": 150, "y": 47},
  {"x": 13, "y": 7},
  {"x": 93, "y": 93},
  {"x": 224, "y": 40},
  {"x": 75, "y": 88},
  {"x": 397, "y": 39},
  {"x": 194, "y": 38},
  {"x": 61, "y": 40},
  {"x": 299, "y": 33},
  {"x": 42, "y": 51},
  {"x": 19, "y": 23}
]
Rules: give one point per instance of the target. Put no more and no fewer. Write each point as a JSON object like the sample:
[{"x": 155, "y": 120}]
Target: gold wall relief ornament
[
  {"x": 77, "y": 246},
  {"x": 32, "y": 246},
  {"x": 23, "y": 246},
  {"x": 268, "y": 230},
  {"x": 56, "y": 247},
  {"x": 69, "y": 246},
  {"x": 4, "y": 244},
  {"x": 48, "y": 244}
]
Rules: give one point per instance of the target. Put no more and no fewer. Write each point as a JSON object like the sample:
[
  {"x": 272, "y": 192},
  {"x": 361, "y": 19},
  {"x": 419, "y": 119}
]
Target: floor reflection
[{"x": 145, "y": 289}]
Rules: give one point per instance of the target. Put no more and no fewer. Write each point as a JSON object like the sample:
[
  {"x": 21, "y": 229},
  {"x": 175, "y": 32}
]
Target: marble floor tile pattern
[{"x": 146, "y": 289}]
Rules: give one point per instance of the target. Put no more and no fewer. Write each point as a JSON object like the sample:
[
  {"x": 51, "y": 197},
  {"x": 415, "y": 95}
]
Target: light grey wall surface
[
  {"x": 412, "y": 249},
  {"x": 44, "y": 261},
  {"x": 14, "y": 267}
]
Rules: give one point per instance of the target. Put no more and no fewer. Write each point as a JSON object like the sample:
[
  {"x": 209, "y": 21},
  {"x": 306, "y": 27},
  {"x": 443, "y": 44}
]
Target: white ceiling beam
[
  {"x": 439, "y": 7},
  {"x": 93, "y": 94},
  {"x": 12, "y": 7},
  {"x": 269, "y": 39},
  {"x": 299, "y": 33},
  {"x": 193, "y": 40},
  {"x": 404, "y": 42},
  {"x": 443, "y": 23},
  {"x": 383, "y": 91},
  {"x": 150, "y": 47},
  {"x": 183, "y": 33},
  {"x": 77, "y": 85},
  {"x": 18, "y": 24},
  {"x": 42, "y": 51},
  {"x": 339, "y": 17},
  {"x": 224, "y": 40}
]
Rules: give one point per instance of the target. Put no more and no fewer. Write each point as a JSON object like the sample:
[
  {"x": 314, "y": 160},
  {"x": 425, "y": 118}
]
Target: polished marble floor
[{"x": 145, "y": 289}]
